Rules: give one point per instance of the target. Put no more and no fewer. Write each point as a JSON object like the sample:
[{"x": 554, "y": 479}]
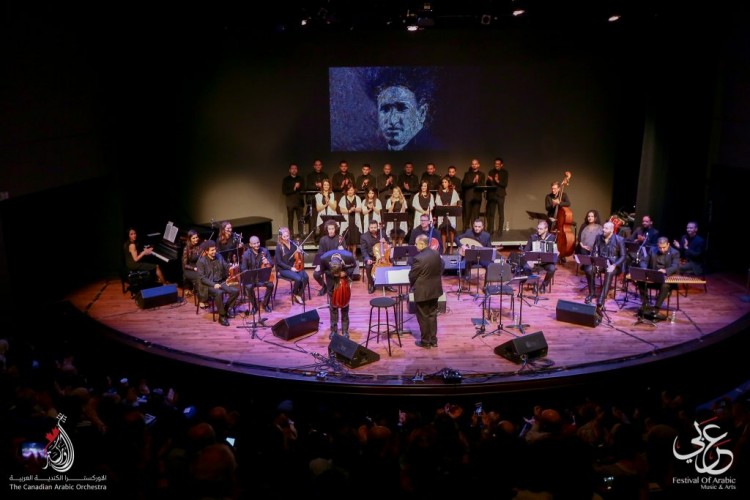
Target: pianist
[{"x": 139, "y": 261}]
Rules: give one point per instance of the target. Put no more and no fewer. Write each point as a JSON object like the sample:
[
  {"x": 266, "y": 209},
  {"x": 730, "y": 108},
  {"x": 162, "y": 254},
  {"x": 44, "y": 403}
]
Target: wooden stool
[{"x": 383, "y": 303}]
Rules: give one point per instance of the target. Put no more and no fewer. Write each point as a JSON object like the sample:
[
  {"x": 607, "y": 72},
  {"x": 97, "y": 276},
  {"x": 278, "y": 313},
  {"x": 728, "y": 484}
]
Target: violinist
[
  {"x": 286, "y": 255},
  {"x": 330, "y": 241},
  {"x": 190, "y": 256},
  {"x": 229, "y": 244},
  {"x": 555, "y": 199},
  {"x": 338, "y": 266},
  {"x": 371, "y": 243},
  {"x": 257, "y": 257}
]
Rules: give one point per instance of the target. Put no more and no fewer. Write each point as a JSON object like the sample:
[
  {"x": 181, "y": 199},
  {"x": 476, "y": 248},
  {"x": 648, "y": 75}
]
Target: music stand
[
  {"x": 479, "y": 257},
  {"x": 398, "y": 276},
  {"x": 537, "y": 216},
  {"x": 520, "y": 325},
  {"x": 402, "y": 252},
  {"x": 648, "y": 276},
  {"x": 337, "y": 217},
  {"x": 446, "y": 211},
  {"x": 397, "y": 218},
  {"x": 495, "y": 273},
  {"x": 256, "y": 277}
]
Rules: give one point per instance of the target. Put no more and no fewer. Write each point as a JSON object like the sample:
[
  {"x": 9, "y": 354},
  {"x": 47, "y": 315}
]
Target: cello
[
  {"x": 381, "y": 252},
  {"x": 563, "y": 222}
]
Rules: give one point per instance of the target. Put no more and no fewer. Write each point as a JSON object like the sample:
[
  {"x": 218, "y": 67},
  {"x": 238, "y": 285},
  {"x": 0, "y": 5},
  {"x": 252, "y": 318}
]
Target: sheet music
[
  {"x": 170, "y": 232},
  {"x": 398, "y": 276}
]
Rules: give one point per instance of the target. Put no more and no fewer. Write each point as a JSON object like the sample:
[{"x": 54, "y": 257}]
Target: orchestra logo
[{"x": 60, "y": 452}]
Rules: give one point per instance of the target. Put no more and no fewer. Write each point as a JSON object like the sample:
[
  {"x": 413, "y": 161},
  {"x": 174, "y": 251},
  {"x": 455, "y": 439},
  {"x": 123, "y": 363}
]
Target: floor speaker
[
  {"x": 297, "y": 326},
  {"x": 530, "y": 346},
  {"x": 452, "y": 263},
  {"x": 350, "y": 353},
  {"x": 574, "y": 312},
  {"x": 157, "y": 296}
]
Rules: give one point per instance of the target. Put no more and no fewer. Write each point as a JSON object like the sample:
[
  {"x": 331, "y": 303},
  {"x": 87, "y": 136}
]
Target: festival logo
[{"x": 706, "y": 452}]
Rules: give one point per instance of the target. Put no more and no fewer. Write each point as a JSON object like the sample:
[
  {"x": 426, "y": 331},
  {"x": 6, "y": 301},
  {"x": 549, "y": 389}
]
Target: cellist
[{"x": 375, "y": 246}]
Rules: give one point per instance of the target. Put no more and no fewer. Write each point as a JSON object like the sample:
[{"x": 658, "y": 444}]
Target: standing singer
[{"x": 338, "y": 266}]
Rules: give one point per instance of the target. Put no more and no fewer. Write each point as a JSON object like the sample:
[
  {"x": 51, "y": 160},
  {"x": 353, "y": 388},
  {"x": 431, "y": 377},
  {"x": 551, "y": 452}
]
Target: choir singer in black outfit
[{"x": 425, "y": 280}]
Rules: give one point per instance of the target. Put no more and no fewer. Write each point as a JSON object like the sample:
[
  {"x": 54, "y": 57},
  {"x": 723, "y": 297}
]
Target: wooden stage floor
[{"x": 574, "y": 350}]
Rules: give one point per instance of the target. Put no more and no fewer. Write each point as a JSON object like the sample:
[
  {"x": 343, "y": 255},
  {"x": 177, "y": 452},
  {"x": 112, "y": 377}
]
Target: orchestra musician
[
  {"x": 396, "y": 204},
  {"x": 284, "y": 258},
  {"x": 338, "y": 266},
  {"x": 330, "y": 241},
  {"x": 291, "y": 187},
  {"x": 134, "y": 259},
  {"x": 555, "y": 199},
  {"x": 370, "y": 244},
  {"x": 190, "y": 255},
  {"x": 325, "y": 203},
  {"x": 214, "y": 271},
  {"x": 647, "y": 235},
  {"x": 665, "y": 260},
  {"x": 366, "y": 180},
  {"x": 542, "y": 235},
  {"x": 350, "y": 207},
  {"x": 477, "y": 233},
  {"x": 612, "y": 247},
  {"x": 472, "y": 198},
  {"x": 229, "y": 244},
  {"x": 692, "y": 248},
  {"x": 497, "y": 177},
  {"x": 431, "y": 176},
  {"x": 257, "y": 257},
  {"x": 426, "y": 228},
  {"x": 371, "y": 207},
  {"x": 447, "y": 196},
  {"x": 342, "y": 179},
  {"x": 385, "y": 183},
  {"x": 422, "y": 203}
]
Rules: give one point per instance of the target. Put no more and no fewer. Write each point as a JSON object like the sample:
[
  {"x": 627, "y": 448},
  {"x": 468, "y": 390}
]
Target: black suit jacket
[{"x": 425, "y": 275}]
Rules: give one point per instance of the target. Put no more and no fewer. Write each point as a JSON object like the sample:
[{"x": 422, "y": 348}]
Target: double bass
[{"x": 566, "y": 238}]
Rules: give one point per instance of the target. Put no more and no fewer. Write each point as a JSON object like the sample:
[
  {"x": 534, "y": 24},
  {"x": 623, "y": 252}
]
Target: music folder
[
  {"x": 647, "y": 275},
  {"x": 443, "y": 210},
  {"x": 543, "y": 257},
  {"x": 393, "y": 275},
  {"x": 589, "y": 260},
  {"x": 404, "y": 251}
]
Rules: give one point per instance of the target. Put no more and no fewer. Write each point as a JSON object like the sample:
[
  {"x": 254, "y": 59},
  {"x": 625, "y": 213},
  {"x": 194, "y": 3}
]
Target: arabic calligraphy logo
[
  {"x": 60, "y": 453},
  {"x": 709, "y": 457}
]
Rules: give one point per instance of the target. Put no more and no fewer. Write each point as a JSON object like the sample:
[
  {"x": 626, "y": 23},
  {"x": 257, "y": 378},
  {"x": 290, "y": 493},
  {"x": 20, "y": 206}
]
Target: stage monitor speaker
[
  {"x": 157, "y": 296},
  {"x": 350, "y": 353},
  {"x": 528, "y": 347},
  {"x": 297, "y": 326},
  {"x": 452, "y": 263},
  {"x": 574, "y": 312}
]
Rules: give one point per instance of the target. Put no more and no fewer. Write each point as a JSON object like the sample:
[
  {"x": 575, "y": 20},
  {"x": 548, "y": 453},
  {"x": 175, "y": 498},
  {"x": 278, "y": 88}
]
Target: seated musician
[
  {"x": 692, "y": 248},
  {"x": 338, "y": 266},
  {"x": 369, "y": 245},
  {"x": 426, "y": 228},
  {"x": 134, "y": 260},
  {"x": 229, "y": 244},
  {"x": 257, "y": 257},
  {"x": 331, "y": 240},
  {"x": 214, "y": 271},
  {"x": 477, "y": 234},
  {"x": 542, "y": 235},
  {"x": 285, "y": 264},
  {"x": 665, "y": 260},
  {"x": 646, "y": 235},
  {"x": 612, "y": 247},
  {"x": 190, "y": 255}
]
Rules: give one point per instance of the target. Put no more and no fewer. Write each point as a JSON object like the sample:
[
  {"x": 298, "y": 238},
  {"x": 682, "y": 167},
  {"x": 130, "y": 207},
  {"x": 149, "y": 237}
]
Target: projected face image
[{"x": 400, "y": 116}]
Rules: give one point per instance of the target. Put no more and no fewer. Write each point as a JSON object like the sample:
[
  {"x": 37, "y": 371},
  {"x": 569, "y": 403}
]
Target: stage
[{"x": 465, "y": 360}]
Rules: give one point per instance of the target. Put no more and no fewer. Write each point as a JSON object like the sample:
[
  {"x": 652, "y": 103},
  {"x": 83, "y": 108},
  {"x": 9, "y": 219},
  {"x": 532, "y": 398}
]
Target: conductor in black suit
[{"x": 425, "y": 280}]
